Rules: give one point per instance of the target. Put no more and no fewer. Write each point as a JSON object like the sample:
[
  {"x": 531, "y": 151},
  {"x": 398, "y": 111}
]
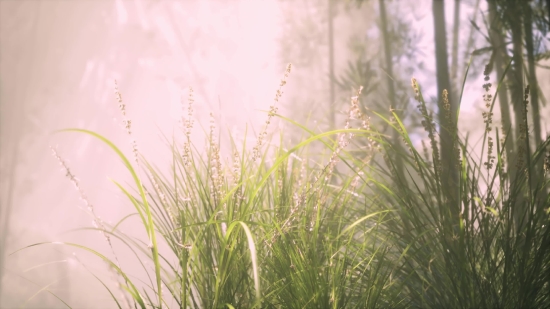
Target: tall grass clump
[
  {"x": 281, "y": 227},
  {"x": 484, "y": 243}
]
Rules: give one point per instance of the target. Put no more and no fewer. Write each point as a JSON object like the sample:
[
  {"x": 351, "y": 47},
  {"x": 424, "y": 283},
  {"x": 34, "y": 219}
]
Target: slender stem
[{"x": 332, "y": 116}]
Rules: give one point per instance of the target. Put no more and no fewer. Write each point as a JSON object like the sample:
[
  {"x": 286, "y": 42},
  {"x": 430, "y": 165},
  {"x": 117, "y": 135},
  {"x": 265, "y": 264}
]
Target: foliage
[{"x": 271, "y": 229}]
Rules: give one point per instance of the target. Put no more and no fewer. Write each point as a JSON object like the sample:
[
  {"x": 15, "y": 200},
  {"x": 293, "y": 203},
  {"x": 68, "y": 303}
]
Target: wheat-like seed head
[
  {"x": 256, "y": 152},
  {"x": 126, "y": 122},
  {"x": 427, "y": 123},
  {"x": 96, "y": 220},
  {"x": 547, "y": 163}
]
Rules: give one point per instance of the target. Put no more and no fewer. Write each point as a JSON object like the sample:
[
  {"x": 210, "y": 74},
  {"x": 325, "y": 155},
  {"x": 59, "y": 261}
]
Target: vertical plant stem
[
  {"x": 454, "y": 49},
  {"x": 391, "y": 86},
  {"x": 513, "y": 14},
  {"x": 501, "y": 59},
  {"x": 538, "y": 169},
  {"x": 533, "y": 83},
  {"x": 447, "y": 131},
  {"x": 332, "y": 116}
]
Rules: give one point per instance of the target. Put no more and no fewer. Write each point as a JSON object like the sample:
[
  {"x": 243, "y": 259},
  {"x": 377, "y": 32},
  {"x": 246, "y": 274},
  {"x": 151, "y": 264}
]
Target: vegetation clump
[{"x": 280, "y": 227}]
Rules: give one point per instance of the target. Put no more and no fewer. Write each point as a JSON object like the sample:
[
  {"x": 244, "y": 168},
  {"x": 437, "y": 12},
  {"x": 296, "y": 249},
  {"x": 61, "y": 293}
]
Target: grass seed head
[
  {"x": 547, "y": 163},
  {"x": 256, "y": 152},
  {"x": 447, "y": 106},
  {"x": 126, "y": 122},
  {"x": 96, "y": 220}
]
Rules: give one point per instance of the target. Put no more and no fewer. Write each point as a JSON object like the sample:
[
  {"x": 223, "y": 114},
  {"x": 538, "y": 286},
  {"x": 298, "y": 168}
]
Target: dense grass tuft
[{"x": 339, "y": 227}]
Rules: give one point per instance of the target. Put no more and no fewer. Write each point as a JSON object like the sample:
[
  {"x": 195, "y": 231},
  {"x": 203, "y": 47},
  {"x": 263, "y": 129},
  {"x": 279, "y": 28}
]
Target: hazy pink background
[{"x": 58, "y": 60}]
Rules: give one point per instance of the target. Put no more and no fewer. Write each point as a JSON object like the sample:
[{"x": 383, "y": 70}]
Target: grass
[{"x": 283, "y": 228}]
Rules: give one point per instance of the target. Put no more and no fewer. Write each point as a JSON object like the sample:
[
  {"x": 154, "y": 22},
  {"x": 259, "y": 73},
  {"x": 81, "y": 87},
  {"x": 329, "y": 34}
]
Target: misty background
[{"x": 59, "y": 60}]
